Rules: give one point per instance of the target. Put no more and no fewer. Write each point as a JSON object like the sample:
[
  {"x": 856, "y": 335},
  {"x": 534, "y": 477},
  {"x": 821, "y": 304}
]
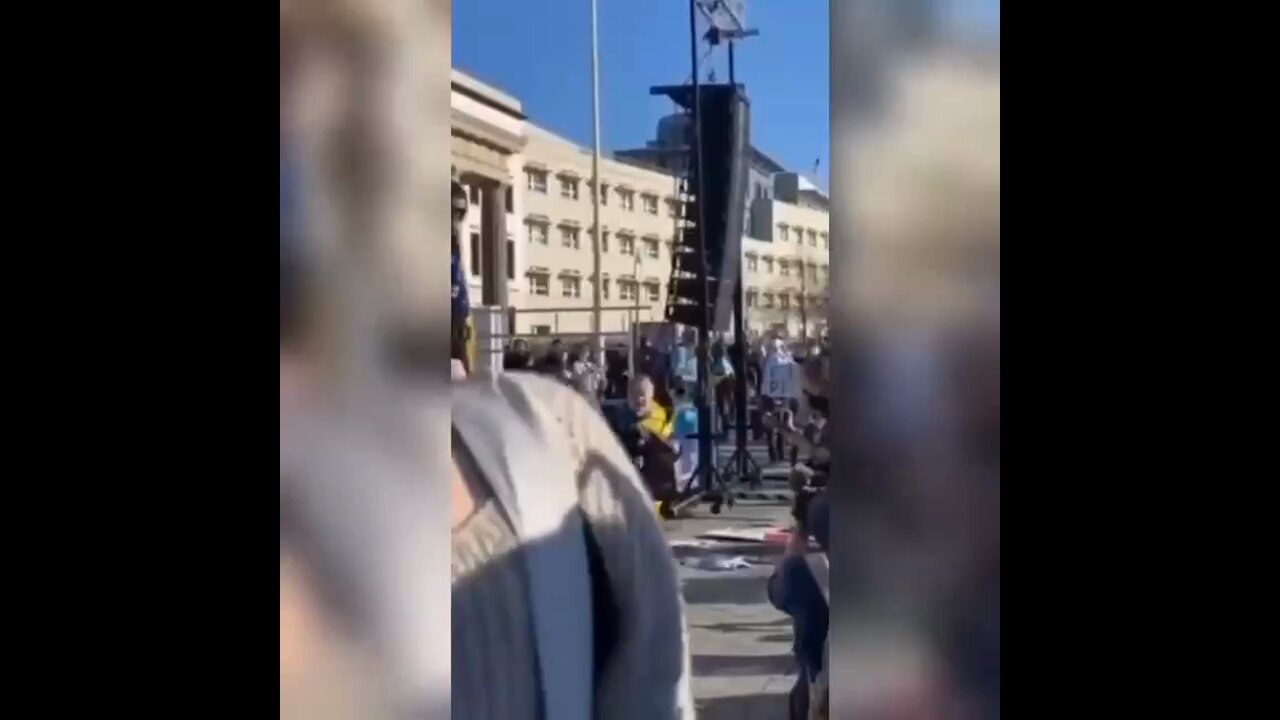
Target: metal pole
[
  {"x": 740, "y": 346},
  {"x": 596, "y": 296},
  {"x": 706, "y": 458}
]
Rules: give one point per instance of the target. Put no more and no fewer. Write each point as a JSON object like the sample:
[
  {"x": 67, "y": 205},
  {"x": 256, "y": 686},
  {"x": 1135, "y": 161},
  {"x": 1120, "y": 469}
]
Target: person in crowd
[
  {"x": 518, "y": 356},
  {"x": 755, "y": 366},
  {"x": 723, "y": 383},
  {"x": 616, "y": 372},
  {"x": 685, "y": 429},
  {"x": 652, "y": 442},
  {"x": 684, "y": 358},
  {"x": 800, "y": 587},
  {"x": 585, "y": 375},
  {"x": 460, "y": 305},
  {"x": 771, "y": 406},
  {"x": 649, "y": 360},
  {"x": 556, "y": 363}
]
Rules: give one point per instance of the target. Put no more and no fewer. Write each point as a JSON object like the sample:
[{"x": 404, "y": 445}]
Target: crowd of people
[{"x": 659, "y": 429}]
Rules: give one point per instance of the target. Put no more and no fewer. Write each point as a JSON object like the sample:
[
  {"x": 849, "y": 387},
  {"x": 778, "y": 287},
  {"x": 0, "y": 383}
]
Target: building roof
[
  {"x": 484, "y": 93},
  {"x": 758, "y": 156}
]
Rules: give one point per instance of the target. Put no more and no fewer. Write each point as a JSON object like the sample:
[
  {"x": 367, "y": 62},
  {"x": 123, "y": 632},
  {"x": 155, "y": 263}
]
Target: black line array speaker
[{"x": 724, "y": 127}]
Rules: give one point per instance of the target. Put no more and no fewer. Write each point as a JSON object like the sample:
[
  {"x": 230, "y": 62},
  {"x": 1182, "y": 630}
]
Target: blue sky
[{"x": 540, "y": 51}]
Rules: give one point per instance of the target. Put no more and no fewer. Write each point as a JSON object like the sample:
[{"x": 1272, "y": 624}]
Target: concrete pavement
[{"x": 741, "y": 646}]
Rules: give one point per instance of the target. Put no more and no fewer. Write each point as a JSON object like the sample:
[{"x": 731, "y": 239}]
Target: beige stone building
[
  {"x": 638, "y": 221},
  {"x": 528, "y": 243},
  {"x": 488, "y": 137},
  {"x": 787, "y": 260}
]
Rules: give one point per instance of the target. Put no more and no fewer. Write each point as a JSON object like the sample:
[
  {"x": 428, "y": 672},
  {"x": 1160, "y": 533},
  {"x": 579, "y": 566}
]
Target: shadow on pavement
[
  {"x": 727, "y": 590},
  {"x": 743, "y": 707},
  {"x": 731, "y": 665},
  {"x": 747, "y": 627}
]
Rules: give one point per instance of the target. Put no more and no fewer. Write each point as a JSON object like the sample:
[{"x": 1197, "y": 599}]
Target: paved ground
[{"x": 741, "y": 646}]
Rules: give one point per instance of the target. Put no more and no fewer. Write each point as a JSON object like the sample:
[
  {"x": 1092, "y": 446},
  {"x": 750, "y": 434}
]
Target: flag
[{"x": 816, "y": 161}]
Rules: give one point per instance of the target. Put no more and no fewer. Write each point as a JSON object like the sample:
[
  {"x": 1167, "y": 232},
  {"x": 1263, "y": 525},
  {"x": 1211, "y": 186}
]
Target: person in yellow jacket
[{"x": 655, "y": 445}]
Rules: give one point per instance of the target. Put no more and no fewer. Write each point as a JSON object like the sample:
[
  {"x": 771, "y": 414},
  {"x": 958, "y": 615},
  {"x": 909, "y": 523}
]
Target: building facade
[
  {"x": 488, "y": 136},
  {"x": 787, "y": 260},
  {"x": 528, "y": 242},
  {"x": 638, "y": 221}
]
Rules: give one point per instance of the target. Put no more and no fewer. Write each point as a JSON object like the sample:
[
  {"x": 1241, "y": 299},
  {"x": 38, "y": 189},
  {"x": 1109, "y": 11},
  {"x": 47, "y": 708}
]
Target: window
[
  {"x": 569, "y": 237},
  {"x": 540, "y": 329},
  {"x": 511, "y": 259},
  {"x": 627, "y": 289},
  {"x": 751, "y": 298},
  {"x": 537, "y": 180},
  {"x": 626, "y": 245},
  {"x": 510, "y": 199},
  {"x": 799, "y": 233},
  {"x": 475, "y": 253},
  {"x": 768, "y": 299},
  {"x": 650, "y": 203},
  {"x": 652, "y": 289},
  {"x": 474, "y": 192},
  {"x": 784, "y": 268},
  {"x": 753, "y": 263},
  {"x": 651, "y": 247},
  {"x": 570, "y": 287},
  {"x": 813, "y": 272},
  {"x": 782, "y": 232},
  {"x": 604, "y": 194},
  {"x": 784, "y": 301},
  {"x": 768, "y": 265},
  {"x": 539, "y": 285},
  {"x": 826, "y": 242},
  {"x": 673, "y": 208},
  {"x": 826, "y": 272},
  {"x": 813, "y": 238},
  {"x": 569, "y": 187},
  {"x": 628, "y": 199},
  {"x": 604, "y": 289},
  {"x": 537, "y": 233}
]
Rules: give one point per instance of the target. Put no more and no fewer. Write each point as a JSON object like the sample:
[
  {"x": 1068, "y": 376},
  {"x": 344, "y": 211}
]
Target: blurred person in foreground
[
  {"x": 596, "y": 553},
  {"x": 564, "y": 601}
]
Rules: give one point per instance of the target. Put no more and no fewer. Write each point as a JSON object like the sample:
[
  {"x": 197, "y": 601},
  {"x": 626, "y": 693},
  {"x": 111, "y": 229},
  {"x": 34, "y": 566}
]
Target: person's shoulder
[{"x": 557, "y": 409}]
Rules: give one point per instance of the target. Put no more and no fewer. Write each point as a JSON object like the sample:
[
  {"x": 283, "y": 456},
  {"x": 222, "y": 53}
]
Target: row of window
[
  {"x": 571, "y": 237},
  {"x": 571, "y": 287},
  {"x": 536, "y": 181},
  {"x": 783, "y": 301},
  {"x": 788, "y": 232},
  {"x": 786, "y": 266}
]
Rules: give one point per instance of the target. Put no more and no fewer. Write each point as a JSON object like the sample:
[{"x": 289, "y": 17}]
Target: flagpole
[{"x": 596, "y": 296}]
